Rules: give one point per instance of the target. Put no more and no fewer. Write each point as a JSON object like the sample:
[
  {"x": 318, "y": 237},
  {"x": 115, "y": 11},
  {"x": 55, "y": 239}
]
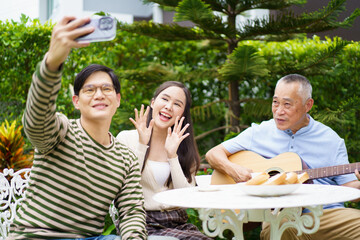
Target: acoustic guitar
[{"x": 285, "y": 162}]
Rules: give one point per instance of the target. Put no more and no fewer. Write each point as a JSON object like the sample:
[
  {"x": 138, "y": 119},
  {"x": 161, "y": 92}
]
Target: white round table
[{"x": 228, "y": 207}]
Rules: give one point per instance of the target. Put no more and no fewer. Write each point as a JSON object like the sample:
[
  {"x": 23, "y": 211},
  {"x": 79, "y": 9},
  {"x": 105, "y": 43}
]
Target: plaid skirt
[{"x": 172, "y": 223}]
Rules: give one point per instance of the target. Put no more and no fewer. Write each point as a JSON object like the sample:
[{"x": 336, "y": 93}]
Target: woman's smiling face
[{"x": 169, "y": 104}]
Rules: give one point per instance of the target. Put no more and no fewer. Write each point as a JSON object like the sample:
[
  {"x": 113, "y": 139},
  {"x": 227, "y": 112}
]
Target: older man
[{"x": 292, "y": 129}]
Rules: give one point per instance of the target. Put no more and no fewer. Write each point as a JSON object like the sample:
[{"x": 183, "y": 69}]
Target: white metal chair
[{"x": 11, "y": 195}]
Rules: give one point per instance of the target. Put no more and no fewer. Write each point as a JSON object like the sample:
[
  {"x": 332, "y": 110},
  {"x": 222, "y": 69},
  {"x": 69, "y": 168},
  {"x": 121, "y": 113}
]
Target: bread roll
[
  {"x": 291, "y": 178},
  {"x": 303, "y": 177},
  {"x": 259, "y": 179},
  {"x": 277, "y": 179}
]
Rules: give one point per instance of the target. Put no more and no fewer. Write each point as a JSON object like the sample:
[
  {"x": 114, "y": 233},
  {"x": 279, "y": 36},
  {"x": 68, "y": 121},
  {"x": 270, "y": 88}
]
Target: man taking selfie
[{"x": 79, "y": 167}]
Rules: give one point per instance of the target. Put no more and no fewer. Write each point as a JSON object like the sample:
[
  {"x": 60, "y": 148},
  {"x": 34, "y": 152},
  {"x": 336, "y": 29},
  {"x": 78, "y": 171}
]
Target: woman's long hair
[{"x": 187, "y": 152}]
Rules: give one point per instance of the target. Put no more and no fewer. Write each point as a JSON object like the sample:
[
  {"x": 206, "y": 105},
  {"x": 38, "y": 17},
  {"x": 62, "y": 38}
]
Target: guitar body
[{"x": 285, "y": 162}]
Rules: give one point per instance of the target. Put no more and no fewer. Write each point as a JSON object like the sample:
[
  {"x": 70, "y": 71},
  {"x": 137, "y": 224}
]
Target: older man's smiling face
[{"x": 289, "y": 107}]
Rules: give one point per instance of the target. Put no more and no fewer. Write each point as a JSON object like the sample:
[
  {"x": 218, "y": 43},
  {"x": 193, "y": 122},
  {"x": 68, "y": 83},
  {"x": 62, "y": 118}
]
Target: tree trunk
[
  {"x": 234, "y": 84},
  {"x": 234, "y": 105}
]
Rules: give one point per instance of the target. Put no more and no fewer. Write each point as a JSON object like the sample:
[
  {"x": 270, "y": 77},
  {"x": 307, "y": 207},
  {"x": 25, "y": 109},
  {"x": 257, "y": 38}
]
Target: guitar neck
[{"x": 331, "y": 171}]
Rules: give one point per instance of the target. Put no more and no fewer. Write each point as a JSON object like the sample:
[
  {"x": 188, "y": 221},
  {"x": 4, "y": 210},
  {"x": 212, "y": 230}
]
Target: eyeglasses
[{"x": 90, "y": 90}]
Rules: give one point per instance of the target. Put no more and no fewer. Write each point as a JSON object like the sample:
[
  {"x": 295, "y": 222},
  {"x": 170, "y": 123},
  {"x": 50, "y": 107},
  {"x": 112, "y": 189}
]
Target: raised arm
[
  {"x": 144, "y": 132},
  {"x": 218, "y": 159},
  {"x": 172, "y": 142},
  {"x": 63, "y": 40},
  {"x": 41, "y": 124}
]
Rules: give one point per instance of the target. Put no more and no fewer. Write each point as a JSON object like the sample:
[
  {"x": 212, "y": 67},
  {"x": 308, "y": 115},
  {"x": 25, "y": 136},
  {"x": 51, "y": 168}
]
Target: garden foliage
[
  {"x": 216, "y": 21},
  {"x": 12, "y": 143},
  {"x": 143, "y": 62}
]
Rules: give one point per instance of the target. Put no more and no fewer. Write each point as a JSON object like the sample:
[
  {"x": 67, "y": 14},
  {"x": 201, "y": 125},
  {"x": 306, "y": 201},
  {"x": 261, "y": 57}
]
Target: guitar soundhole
[{"x": 272, "y": 173}]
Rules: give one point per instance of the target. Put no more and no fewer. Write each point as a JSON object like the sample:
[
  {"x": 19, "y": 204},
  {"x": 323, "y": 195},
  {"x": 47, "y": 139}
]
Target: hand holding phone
[
  {"x": 105, "y": 29},
  {"x": 62, "y": 40}
]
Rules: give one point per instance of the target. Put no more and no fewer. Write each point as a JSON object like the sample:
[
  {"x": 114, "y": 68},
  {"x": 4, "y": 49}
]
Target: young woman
[{"x": 168, "y": 157}]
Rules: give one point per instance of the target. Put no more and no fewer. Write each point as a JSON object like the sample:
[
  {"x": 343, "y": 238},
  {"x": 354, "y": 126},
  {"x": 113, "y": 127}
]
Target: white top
[
  {"x": 161, "y": 171},
  {"x": 149, "y": 185}
]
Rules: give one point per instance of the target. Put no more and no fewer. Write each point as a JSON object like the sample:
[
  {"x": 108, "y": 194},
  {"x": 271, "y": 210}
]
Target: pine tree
[{"x": 215, "y": 20}]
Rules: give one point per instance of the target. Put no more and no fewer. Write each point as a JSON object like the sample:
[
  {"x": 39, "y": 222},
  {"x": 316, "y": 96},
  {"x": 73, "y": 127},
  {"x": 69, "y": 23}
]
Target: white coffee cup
[{"x": 203, "y": 180}]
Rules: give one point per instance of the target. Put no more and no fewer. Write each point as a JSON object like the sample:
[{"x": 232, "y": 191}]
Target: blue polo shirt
[{"x": 316, "y": 144}]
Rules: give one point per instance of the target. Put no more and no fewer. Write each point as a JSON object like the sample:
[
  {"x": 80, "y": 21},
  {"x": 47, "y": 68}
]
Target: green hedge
[{"x": 23, "y": 44}]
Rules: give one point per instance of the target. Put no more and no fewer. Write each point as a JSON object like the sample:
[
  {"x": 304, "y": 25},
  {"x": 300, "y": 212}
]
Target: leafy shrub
[
  {"x": 11, "y": 147},
  {"x": 21, "y": 45}
]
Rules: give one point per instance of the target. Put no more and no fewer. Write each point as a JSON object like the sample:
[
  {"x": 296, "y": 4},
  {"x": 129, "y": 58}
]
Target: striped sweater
[{"x": 74, "y": 179}]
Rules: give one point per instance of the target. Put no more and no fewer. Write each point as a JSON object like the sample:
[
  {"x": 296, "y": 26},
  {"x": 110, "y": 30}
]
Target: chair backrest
[
  {"x": 12, "y": 192},
  {"x": 114, "y": 214}
]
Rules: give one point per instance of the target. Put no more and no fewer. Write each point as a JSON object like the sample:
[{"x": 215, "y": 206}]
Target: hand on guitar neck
[{"x": 357, "y": 174}]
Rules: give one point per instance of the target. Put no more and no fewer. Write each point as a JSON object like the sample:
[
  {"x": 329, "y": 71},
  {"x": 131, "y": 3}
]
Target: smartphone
[{"x": 105, "y": 29}]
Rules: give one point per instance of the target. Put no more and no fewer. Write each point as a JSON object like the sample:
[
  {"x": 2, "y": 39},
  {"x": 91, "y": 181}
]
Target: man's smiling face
[{"x": 97, "y": 99}]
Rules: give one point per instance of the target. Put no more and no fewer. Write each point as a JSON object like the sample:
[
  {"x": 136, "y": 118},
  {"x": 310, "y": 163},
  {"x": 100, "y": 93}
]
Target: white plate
[{"x": 268, "y": 190}]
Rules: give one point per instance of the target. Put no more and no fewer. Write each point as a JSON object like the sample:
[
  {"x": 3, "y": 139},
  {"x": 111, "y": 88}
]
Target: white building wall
[
  {"x": 123, "y": 10},
  {"x": 76, "y": 8},
  {"x": 12, "y": 9},
  {"x": 251, "y": 14},
  {"x": 66, "y": 8},
  {"x": 157, "y": 14}
]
